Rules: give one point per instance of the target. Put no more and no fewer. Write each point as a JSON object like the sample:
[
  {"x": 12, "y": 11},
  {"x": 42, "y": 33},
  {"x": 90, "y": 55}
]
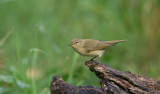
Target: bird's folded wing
[{"x": 98, "y": 45}]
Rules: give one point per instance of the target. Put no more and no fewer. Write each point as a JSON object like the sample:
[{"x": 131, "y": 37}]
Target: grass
[
  {"x": 35, "y": 35},
  {"x": 71, "y": 72}
]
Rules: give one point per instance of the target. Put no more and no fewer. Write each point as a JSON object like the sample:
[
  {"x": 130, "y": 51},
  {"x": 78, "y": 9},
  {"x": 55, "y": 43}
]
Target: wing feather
[{"x": 92, "y": 45}]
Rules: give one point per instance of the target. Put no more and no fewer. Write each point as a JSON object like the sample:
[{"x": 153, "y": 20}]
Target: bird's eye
[{"x": 76, "y": 42}]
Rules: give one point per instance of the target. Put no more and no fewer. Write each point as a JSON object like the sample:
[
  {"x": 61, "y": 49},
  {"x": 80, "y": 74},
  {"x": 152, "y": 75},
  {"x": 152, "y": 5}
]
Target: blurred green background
[{"x": 34, "y": 38}]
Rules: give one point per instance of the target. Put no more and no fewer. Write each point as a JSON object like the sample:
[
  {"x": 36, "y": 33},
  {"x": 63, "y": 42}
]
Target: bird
[{"x": 91, "y": 47}]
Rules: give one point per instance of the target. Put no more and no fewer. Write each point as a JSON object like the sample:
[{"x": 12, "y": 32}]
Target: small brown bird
[{"x": 91, "y": 47}]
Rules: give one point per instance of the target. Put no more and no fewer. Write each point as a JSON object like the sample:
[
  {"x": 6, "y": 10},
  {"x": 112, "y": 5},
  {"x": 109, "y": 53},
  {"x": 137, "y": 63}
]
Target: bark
[{"x": 112, "y": 82}]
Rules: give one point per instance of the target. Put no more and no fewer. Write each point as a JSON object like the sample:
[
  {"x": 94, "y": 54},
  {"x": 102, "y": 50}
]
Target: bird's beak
[{"x": 69, "y": 44}]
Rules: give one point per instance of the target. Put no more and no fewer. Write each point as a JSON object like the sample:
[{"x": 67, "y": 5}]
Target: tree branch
[{"x": 112, "y": 82}]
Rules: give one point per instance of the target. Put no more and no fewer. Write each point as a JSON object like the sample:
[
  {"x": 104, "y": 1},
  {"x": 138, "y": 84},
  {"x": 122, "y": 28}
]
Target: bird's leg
[{"x": 93, "y": 58}]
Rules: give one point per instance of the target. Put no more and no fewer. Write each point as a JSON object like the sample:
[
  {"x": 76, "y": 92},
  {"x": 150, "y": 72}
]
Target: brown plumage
[{"x": 91, "y": 47}]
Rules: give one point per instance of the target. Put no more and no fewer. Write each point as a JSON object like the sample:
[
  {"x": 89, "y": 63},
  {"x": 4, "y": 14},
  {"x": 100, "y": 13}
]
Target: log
[{"x": 112, "y": 82}]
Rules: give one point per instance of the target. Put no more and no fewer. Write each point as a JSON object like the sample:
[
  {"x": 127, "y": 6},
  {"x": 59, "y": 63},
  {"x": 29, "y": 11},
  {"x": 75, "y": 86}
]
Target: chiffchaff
[{"x": 91, "y": 47}]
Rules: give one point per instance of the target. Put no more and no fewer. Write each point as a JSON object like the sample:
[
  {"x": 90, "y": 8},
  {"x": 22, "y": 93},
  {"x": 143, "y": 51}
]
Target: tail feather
[{"x": 112, "y": 43}]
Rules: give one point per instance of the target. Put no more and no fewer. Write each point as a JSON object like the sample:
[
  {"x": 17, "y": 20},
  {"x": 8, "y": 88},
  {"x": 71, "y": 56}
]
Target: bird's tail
[{"x": 112, "y": 43}]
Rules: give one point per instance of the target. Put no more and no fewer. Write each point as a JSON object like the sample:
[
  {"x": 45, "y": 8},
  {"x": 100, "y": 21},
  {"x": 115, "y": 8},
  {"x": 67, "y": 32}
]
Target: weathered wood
[
  {"x": 58, "y": 86},
  {"x": 113, "y": 82}
]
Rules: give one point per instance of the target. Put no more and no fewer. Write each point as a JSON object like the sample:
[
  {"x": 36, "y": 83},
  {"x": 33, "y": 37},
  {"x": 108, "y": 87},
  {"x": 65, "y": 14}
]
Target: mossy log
[{"x": 112, "y": 82}]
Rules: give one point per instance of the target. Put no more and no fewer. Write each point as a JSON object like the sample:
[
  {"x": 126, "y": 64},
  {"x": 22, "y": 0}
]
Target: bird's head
[{"x": 75, "y": 43}]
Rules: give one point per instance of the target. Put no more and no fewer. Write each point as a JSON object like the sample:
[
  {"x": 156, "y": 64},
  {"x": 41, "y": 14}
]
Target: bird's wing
[{"x": 91, "y": 45}]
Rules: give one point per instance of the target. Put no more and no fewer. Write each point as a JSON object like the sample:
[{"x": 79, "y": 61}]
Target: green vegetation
[{"x": 34, "y": 38}]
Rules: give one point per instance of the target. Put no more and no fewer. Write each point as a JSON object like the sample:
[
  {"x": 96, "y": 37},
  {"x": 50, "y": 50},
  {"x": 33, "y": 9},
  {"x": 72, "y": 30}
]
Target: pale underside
[{"x": 83, "y": 52}]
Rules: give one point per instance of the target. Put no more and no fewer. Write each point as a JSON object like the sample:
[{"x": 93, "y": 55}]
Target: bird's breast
[
  {"x": 83, "y": 52},
  {"x": 80, "y": 50}
]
